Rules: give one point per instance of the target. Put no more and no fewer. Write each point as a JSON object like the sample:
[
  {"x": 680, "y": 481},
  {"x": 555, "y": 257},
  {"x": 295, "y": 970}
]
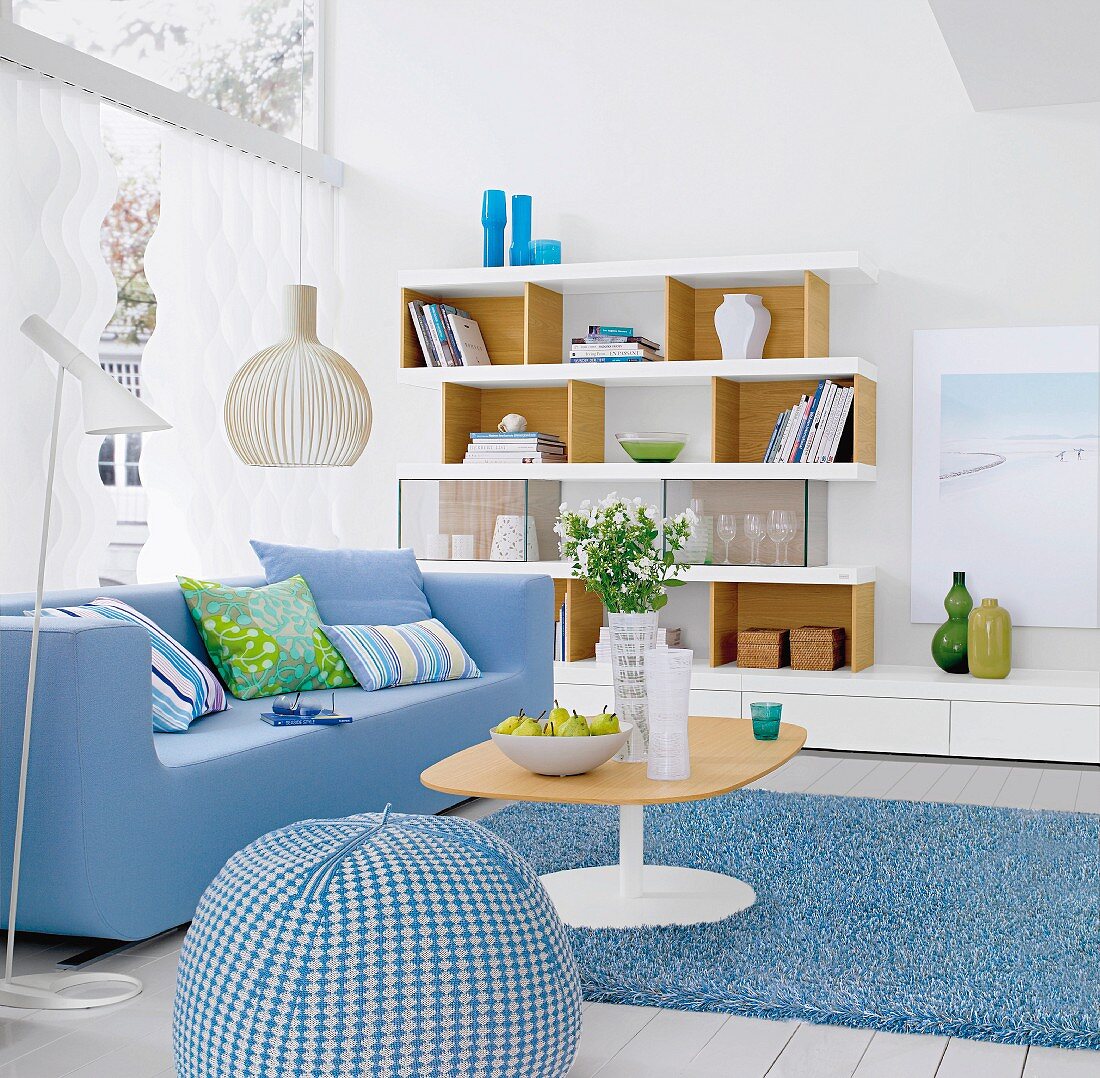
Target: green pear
[
  {"x": 508, "y": 726},
  {"x": 558, "y": 714},
  {"x": 528, "y": 728},
  {"x": 603, "y": 724},
  {"x": 576, "y": 726}
]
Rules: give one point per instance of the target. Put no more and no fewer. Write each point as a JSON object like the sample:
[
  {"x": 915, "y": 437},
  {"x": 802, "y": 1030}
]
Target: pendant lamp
[{"x": 298, "y": 403}]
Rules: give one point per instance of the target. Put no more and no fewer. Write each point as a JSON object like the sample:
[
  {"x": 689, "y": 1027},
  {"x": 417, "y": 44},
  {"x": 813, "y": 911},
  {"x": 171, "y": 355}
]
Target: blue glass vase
[
  {"x": 494, "y": 216},
  {"x": 519, "y": 252}
]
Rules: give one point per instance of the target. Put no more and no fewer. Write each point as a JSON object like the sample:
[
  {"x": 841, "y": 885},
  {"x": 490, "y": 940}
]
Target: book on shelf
[
  {"x": 600, "y": 352},
  {"x": 610, "y": 331},
  {"x": 559, "y": 630},
  {"x": 513, "y": 435},
  {"x": 447, "y": 335},
  {"x": 603, "y": 338},
  {"x": 524, "y": 457},
  {"x": 810, "y": 432},
  {"x": 466, "y": 334}
]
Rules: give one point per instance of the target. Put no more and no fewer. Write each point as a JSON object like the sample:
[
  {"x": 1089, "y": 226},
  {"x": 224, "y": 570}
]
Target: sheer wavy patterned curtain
[
  {"x": 56, "y": 185},
  {"x": 226, "y": 245}
]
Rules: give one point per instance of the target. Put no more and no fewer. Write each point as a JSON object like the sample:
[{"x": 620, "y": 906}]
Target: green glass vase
[
  {"x": 989, "y": 640},
  {"x": 950, "y": 642}
]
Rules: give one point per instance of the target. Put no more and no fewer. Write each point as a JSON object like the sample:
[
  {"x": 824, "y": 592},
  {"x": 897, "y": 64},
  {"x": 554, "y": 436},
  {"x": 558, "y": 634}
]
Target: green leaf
[
  {"x": 673, "y": 583},
  {"x": 660, "y": 601}
]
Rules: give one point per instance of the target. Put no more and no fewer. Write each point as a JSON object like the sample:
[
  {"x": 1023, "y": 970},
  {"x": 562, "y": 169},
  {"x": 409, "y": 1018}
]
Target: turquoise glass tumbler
[
  {"x": 545, "y": 252},
  {"x": 494, "y": 217},
  {"x": 519, "y": 253},
  {"x": 765, "y": 720}
]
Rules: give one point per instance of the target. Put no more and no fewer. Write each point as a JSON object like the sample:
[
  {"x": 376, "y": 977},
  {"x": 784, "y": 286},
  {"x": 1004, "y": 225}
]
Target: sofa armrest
[
  {"x": 505, "y": 622},
  {"x": 92, "y": 725}
]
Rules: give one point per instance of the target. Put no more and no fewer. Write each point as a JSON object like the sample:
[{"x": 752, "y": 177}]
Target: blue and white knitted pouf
[{"x": 371, "y": 947}]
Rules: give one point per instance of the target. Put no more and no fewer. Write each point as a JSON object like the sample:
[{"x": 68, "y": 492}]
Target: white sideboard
[{"x": 1049, "y": 715}]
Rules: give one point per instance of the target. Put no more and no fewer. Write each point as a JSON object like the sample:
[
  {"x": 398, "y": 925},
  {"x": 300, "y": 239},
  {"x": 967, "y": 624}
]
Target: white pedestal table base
[{"x": 632, "y": 894}]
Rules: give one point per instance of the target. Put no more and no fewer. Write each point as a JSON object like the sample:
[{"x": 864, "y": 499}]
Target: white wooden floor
[{"x": 133, "y": 1040}]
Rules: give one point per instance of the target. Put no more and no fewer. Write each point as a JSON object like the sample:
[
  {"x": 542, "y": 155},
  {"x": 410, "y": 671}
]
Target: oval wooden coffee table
[{"x": 724, "y": 757}]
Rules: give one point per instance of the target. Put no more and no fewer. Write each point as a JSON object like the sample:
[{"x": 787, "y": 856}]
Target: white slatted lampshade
[{"x": 298, "y": 404}]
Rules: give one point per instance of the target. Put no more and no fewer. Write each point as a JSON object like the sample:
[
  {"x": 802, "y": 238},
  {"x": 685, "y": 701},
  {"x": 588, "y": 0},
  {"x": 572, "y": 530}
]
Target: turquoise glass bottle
[{"x": 950, "y": 642}]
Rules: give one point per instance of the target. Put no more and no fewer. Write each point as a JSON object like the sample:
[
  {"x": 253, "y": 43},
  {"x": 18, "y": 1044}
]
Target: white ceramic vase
[
  {"x": 742, "y": 323},
  {"x": 508, "y": 539}
]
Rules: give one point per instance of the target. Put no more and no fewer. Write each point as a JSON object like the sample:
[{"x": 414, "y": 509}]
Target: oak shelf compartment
[
  {"x": 518, "y": 329},
  {"x": 584, "y": 619},
  {"x": 574, "y": 412},
  {"x": 743, "y": 417},
  {"x": 800, "y": 319},
  {"x": 734, "y": 607}
]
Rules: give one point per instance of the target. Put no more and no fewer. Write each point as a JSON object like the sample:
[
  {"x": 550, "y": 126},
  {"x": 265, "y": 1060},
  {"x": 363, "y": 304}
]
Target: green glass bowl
[{"x": 652, "y": 447}]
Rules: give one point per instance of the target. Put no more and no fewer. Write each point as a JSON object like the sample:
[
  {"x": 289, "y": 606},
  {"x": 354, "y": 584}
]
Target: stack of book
[
  {"x": 811, "y": 431},
  {"x": 613, "y": 344},
  {"x": 448, "y": 337},
  {"x": 668, "y": 637},
  {"x": 514, "y": 447}
]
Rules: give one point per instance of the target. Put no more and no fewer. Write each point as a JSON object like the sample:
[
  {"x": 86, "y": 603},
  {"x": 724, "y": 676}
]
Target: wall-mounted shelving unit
[{"x": 528, "y": 316}]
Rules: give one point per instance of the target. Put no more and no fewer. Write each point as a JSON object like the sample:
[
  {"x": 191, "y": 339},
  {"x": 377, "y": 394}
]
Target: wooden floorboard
[
  {"x": 984, "y": 786},
  {"x": 918, "y": 780},
  {"x": 1057, "y": 790},
  {"x": 822, "y": 1052},
  {"x": 1088, "y": 793},
  {"x": 742, "y": 1048},
  {"x": 896, "y": 1055},
  {"x": 662, "y": 1045},
  {"x": 979, "y": 1059},
  {"x": 1058, "y": 1063},
  {"x": 1019, "y": 788}
]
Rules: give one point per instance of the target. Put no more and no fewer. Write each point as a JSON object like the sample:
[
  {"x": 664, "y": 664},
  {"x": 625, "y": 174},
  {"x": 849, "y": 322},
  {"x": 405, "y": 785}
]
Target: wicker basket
[
  {"x": 817, "y": 647},
  {"x": 763, "y": 649}
]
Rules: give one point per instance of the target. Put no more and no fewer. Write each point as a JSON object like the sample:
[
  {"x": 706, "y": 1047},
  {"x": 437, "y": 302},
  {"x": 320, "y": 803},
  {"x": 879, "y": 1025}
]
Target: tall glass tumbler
[
  {"x": 668, "y": 684},
  {"x": 519, "y": 253},
  {"x": 494, "y": 216}
]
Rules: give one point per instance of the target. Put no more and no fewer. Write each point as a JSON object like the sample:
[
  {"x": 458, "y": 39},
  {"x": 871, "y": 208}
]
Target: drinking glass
[
  {"x": 781, "y": 528},
  {"x": 766, "y": 717},
  {"x": 756, "y": 531},
  {"x": 727, "y": 531}
]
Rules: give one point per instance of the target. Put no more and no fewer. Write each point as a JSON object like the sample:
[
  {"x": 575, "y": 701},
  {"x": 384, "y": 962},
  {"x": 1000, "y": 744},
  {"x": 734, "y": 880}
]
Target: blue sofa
[{"x": 126, "y": 827}]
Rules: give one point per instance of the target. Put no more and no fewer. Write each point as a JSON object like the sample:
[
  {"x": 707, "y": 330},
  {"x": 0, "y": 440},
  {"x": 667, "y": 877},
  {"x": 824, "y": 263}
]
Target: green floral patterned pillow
[{"x": 265, "y": 641}]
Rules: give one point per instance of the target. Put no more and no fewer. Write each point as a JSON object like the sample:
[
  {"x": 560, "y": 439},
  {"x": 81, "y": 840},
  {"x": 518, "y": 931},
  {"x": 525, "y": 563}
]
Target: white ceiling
[{"x": 1018, "y": 53}]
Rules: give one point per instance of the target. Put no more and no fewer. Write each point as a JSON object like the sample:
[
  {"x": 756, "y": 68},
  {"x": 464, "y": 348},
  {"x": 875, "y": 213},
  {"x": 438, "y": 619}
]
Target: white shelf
[
  {"x": 1076, "y": 687},
  {"x": 835, "y": 267},
  {"x": 737, "y": 574},
  {"x": 627, "y": 471},
  {"x": 685, "y": 373}
]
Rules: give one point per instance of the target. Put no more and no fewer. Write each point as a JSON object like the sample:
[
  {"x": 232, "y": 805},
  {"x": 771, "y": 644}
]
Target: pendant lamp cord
[{"x": 302, "y": 146}]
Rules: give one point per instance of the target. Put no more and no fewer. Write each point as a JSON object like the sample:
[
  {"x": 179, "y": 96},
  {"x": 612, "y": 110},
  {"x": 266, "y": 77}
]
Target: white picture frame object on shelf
[{"x": 1006, "y": 484}]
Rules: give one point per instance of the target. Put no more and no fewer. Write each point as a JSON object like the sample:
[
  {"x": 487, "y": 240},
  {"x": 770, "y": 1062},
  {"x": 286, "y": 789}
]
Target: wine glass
[
  {"x": 756, "y": 531},
  {"x": 781, "y": 528},
  {"x": 727, "y": 531}
]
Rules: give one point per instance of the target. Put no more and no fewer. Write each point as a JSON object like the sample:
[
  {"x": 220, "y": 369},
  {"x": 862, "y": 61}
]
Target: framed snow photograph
[{"x": 1006, "y": 483}]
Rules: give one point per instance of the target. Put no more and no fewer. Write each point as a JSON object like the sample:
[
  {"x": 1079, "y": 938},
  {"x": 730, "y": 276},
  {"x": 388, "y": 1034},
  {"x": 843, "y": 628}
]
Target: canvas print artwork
[{"x": 1006, "y": 471}]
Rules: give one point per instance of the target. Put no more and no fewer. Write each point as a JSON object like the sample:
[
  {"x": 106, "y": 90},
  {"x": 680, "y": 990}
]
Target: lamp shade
[
  {"x": 108, "y": 407},
  {"x": 298, "y": 404}
]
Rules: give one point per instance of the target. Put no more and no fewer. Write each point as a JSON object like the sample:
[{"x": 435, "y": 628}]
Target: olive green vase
[
  {"x": 989, "y": 640},
  {"x": 950, "y": 642}
]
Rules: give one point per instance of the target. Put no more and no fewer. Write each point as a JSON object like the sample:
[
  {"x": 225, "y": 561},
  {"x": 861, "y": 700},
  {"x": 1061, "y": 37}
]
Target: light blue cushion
[
  {"x": 183, "y": 688},
  {"x": 380, "y": 945},
  {"x": 384, "y": 655},
  {"x": 352, "y": 587}
]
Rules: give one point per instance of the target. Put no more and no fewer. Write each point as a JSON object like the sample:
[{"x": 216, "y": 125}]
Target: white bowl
[{"x": 562, "y": 755}]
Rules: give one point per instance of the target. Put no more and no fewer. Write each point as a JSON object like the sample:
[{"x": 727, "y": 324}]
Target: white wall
[{"x": 704, "y": 127}]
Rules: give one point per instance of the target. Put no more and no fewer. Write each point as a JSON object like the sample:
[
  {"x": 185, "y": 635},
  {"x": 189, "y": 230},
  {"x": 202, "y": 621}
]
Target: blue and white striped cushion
[
  {"x": 384, "y": 655},
  {"x": 183, "y": 688}
]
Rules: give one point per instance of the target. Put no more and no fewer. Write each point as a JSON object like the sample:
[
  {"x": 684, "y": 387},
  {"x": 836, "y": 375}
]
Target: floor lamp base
[{"x": 42, "y": 991}]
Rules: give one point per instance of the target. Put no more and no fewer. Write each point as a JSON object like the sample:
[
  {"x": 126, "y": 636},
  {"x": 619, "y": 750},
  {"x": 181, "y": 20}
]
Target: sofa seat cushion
[{"x": 242, "y": 729}]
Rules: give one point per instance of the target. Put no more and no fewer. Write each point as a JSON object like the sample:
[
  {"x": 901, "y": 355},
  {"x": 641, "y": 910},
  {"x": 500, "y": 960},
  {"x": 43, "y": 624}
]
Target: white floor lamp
[{"x": 108, "y": 409}]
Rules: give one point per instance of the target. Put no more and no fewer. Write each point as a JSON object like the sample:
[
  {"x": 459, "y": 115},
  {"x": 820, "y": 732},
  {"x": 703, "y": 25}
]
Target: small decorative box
[
  {"x": 763, "y": 649},
  {"x": 817, "y": 647}
]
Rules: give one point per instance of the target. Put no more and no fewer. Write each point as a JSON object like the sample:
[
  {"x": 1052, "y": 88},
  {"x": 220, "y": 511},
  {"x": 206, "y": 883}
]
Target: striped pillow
[
  {"x": 183, "y": 688},
  {"x": 385, "y": 655}
]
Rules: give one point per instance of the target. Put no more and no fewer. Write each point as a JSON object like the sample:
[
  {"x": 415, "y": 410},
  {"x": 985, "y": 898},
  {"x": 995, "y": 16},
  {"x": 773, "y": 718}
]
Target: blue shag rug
[{"x": 956, "y": 920}]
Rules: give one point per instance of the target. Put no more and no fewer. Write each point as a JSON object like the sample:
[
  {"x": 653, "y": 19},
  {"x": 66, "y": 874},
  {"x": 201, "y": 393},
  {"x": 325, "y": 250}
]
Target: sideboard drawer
[
  {"x": 722, "y": 702},
  {"x": 865, "y": 723},
  {"x": 1068, "y": 732}
]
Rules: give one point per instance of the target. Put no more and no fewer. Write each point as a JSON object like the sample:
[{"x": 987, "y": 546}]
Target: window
[{"x": 241, "y": 56}]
